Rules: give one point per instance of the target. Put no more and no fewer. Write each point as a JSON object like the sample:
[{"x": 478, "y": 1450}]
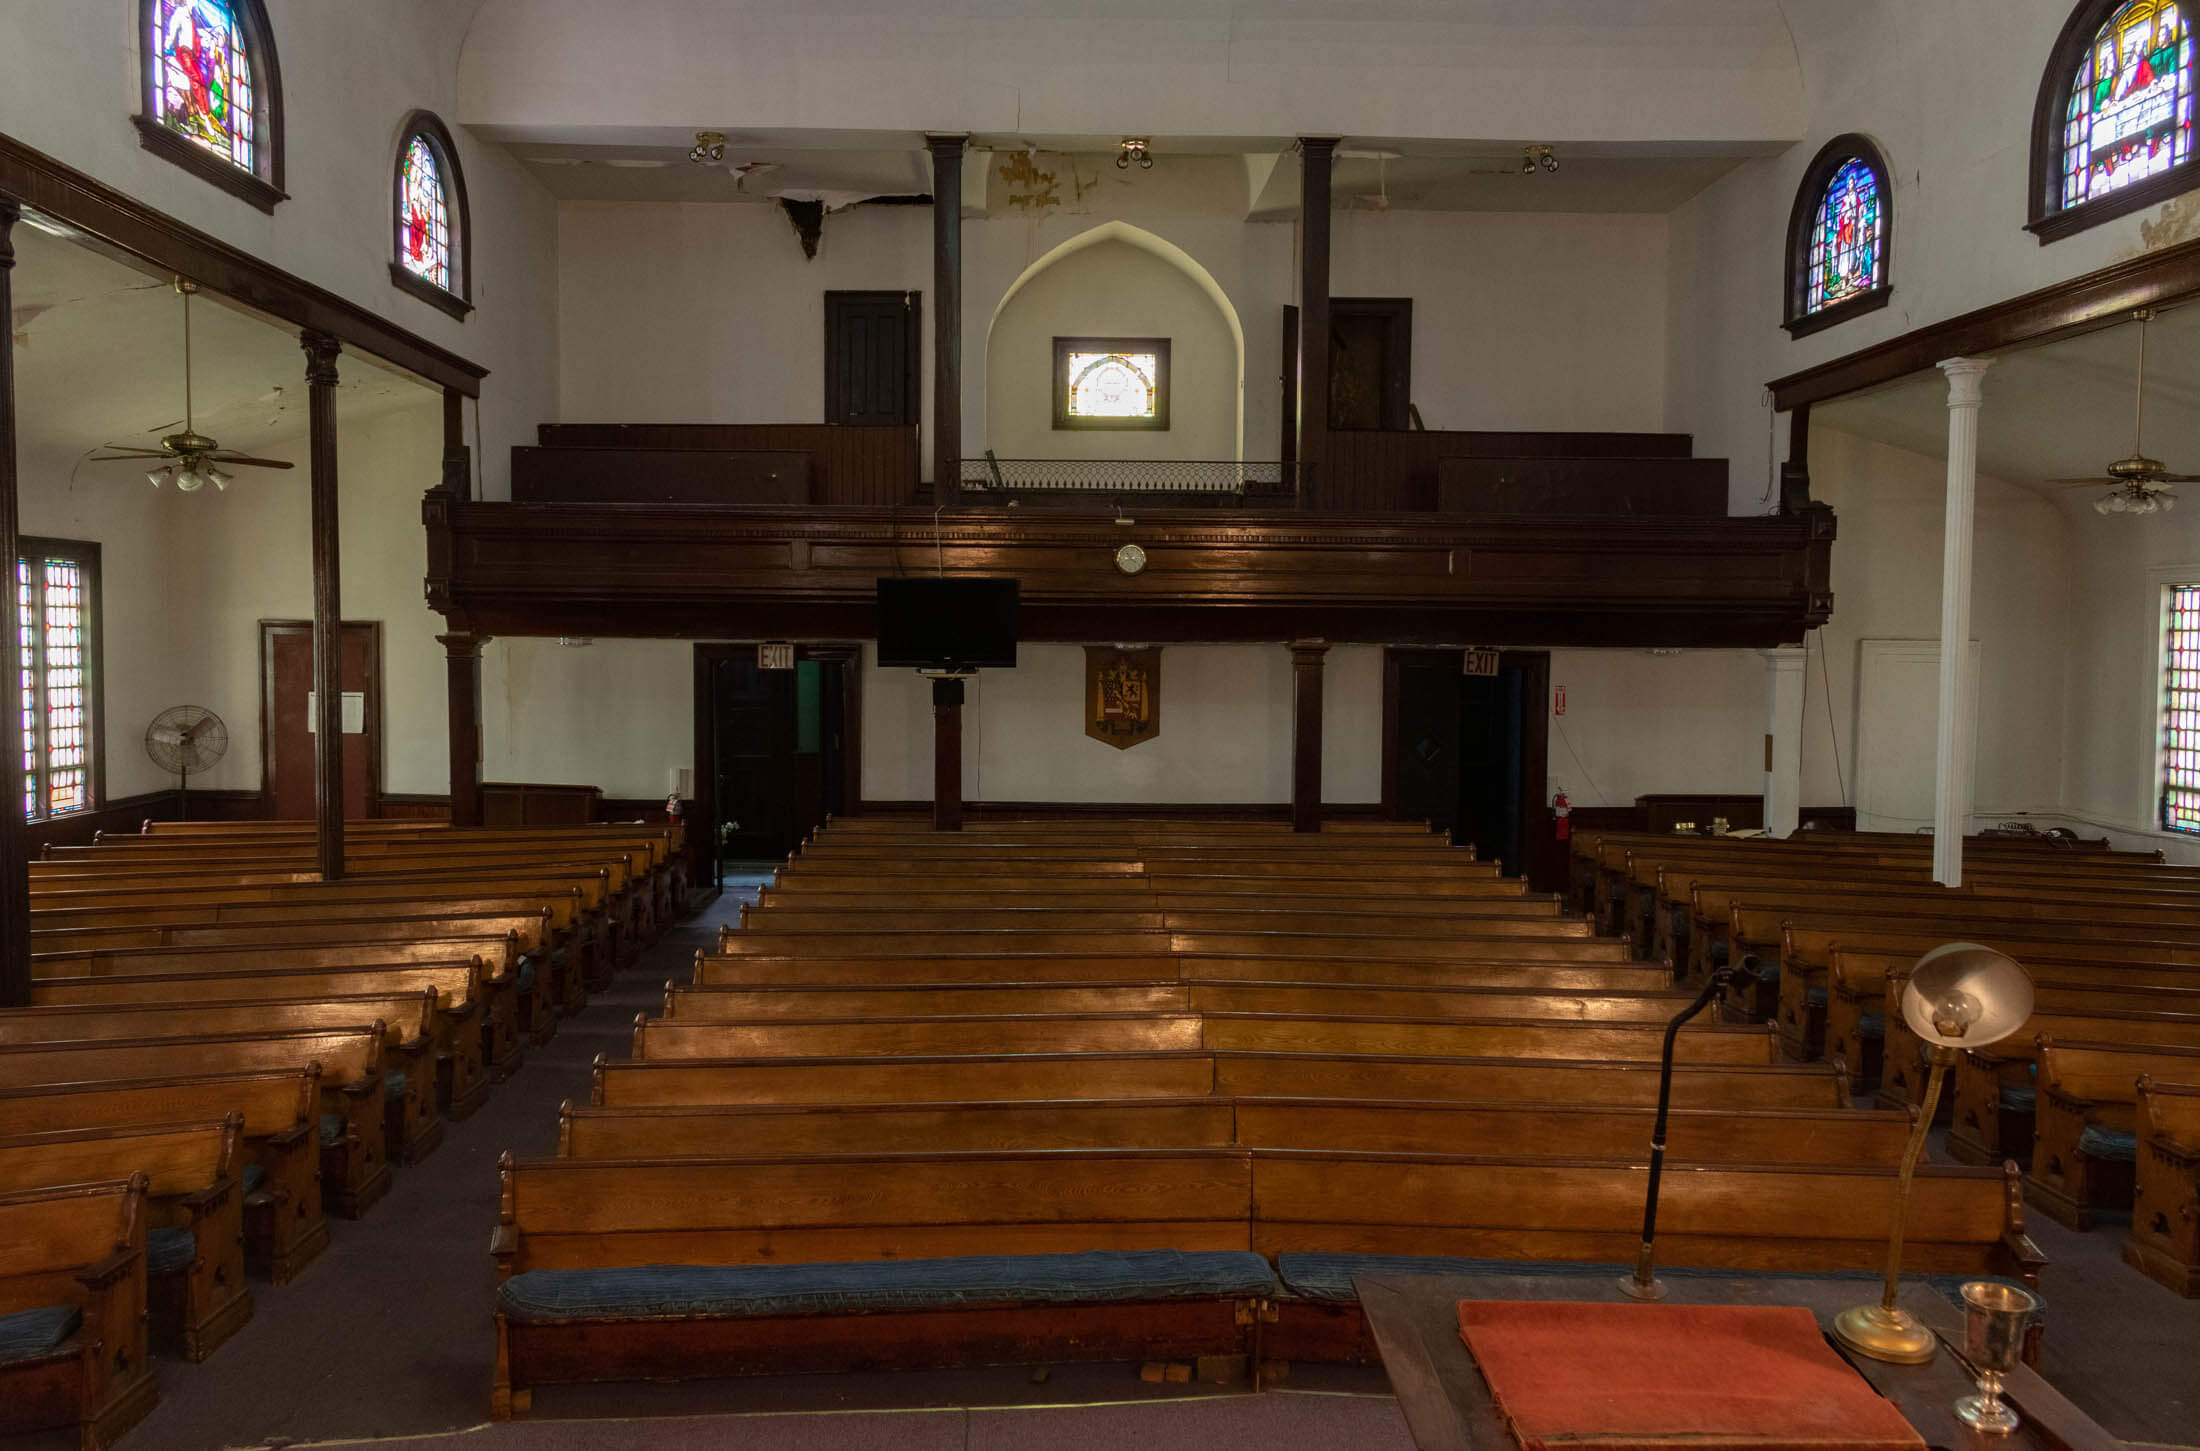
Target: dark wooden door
[
  {"x": 1424, "y": 737},
  {"x": 753, "y": 725},
  {"x": 1490, "y": 730},
  {"x": 871, "y": 353},
  {"x": 1370, "y": 362},
  {"x": 286, "y": 720}
]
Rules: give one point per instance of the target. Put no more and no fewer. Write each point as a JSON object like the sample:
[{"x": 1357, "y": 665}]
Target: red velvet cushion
[{"x": 1623, "y": 1376}]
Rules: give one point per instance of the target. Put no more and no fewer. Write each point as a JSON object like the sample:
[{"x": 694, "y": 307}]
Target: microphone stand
[{"x": 1643, "y": 1284}]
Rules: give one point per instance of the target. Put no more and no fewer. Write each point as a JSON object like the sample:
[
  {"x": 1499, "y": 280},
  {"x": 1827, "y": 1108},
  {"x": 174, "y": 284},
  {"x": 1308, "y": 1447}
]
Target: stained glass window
[
  {"x": 423, "y": 215},
  {"x": 1111, "y": 383},
  {"x": 202, "y": 77},
  {"x": 1845, "y": 251},
  {"x": 2130, "y": 114},
  {"x": 2181, "y": 711},
  {"x": 53, "y": 591}
]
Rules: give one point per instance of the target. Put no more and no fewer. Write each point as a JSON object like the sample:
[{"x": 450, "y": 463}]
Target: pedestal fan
[{"x": 186, "y": 740}]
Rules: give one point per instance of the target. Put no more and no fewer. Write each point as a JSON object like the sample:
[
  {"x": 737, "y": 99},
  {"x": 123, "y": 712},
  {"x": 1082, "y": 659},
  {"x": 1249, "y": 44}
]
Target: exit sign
[
  {"x": 1481, "y": 662},
  {"x": 775, "y": 655}
]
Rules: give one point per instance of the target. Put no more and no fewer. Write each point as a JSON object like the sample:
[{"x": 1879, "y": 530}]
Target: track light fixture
[
  {"x": 1134, "y": 149},
  {"x": 709, "y": 149},
  {"x": 1534, "y": 157}
]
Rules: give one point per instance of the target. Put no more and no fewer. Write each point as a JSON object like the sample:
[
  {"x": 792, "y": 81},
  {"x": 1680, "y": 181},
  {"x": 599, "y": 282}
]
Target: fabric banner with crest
[{"x": 1122, "y": 695}]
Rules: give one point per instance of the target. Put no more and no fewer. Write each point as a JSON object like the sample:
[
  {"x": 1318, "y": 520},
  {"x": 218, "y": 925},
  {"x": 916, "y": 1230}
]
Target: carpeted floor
[{"x": 388, "y": 1335}]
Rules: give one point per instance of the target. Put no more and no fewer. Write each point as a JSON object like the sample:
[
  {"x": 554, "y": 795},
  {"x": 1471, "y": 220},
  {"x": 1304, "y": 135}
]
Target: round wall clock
[{"x": 1130, "y": 559}]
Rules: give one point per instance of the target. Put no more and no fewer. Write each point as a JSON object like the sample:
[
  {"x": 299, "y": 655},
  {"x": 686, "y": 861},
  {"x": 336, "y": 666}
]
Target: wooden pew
[
  {"x": 283, "y": 1223},
  {"x": 712, "y": 971},
  {"x": 1221, "y": 1032},
  {"x": 1986, "y": 1123},
  {"x": 195, "y": 1286},
  {"x": 461, "y": 1080},
  {"x": 867, "y": 910},
  {"x": 1538, "y": 923},
  {"x": 79, "y": 1253},
  {"x": 355, "y": 1168},
  {"x": 1058, "y": 1076},
  {"x": 564, "y": 1215},
  {"x": 1715, "y": 1135},
  {"x": 2085, "y": 1122},
  {"x": 2164, "y": 1243},
  {"x": 412, "y": 1124}
]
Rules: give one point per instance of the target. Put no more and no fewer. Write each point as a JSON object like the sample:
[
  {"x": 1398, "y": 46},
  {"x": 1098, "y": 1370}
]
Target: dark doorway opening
[
  {"x": 1370, "y": 362},
  {"x": 1471, "y": 754},
  {"x": 777, "y": 751},
  {"x": 871, "y": 357}
]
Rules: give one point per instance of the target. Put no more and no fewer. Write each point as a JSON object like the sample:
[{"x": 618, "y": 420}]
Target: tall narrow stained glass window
[
  {"x": 423, "y": 216},
  {"x": 202, "y": 77},
  {"x": 2130, "y": 111},
  {"x": 55, "y": 584},
  {"x": 1844, "y": 246},
  {"x": 1111, "y": 383},
  {"x": 2181, "y": 711}
]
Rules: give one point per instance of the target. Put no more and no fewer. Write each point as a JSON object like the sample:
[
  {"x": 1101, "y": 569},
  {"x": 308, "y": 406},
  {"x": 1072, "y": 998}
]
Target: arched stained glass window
[
  {"x": 1839, "y": 237},
  {"x": 213, "y": 97},
  {"x": 2112, "y": 131},
  {"x": 430, "y": 255},
  {"x": 1111, "y": 383},
  {"x": 423, "y": 216},
  {"x": 2130, "y": 111}
]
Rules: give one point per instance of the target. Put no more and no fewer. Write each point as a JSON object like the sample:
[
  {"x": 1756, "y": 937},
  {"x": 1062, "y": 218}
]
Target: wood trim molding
[
  {"x": 2082, "y": 304},
  {"x": 155, "y": 243},
  {"x": 208, "y": 167},
  {"x": 2046, "y": 217},
  {"x": 1803, "y": 226}
]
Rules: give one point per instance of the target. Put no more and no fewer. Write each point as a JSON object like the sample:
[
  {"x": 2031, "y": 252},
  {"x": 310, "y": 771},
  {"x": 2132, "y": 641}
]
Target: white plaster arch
[{"x": 1158, "y": 246}]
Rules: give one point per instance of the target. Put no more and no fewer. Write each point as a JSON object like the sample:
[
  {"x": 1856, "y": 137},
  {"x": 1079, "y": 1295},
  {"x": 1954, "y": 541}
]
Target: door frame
[
  {"x": 707, "y": 654},
  {"x": 372, "y": 629},
  {"x": 912, "y": 302},
  {"x": 1538, "y": 849}
]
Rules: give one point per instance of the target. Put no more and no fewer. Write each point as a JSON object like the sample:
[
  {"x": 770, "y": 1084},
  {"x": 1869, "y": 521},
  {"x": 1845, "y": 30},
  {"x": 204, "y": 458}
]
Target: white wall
[
  {"x": 1225, "y": 730},
  {"x": 617, "y": 714},
  {"x": 1111, "y": 289},
  {"x": 1637, "y": 723}
]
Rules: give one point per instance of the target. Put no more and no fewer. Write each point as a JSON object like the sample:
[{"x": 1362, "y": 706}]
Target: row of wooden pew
[
  {"x": 222, "y": 1049},
  {"x": 1053, "y": 1090},
  {"x": 2095, "y": 1093}
]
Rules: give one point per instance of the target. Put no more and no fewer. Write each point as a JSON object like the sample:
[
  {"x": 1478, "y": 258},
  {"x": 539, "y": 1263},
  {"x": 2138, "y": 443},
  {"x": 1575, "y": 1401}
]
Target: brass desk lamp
[{"x": 1960, "y": 995}]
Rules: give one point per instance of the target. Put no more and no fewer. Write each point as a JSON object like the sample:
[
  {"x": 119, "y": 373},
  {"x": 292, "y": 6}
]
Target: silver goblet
[{"x": 1995, "y": 1318}]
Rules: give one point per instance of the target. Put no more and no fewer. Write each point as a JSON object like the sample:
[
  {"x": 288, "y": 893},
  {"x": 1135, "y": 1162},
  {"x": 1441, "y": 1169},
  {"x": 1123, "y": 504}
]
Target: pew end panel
[
  {"x": 2164, "y": 1242},
  {"x": 75, "y": 1256}
]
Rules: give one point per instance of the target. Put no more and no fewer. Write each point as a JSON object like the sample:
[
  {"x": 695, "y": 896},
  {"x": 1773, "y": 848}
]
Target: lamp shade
[{"x": 1962, "y": 995}]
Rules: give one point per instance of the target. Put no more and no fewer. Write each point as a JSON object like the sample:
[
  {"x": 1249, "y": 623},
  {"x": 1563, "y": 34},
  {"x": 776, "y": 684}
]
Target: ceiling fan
[
  {"x": 187, "y": 459},
  {"x": 2137, "y": 484}
]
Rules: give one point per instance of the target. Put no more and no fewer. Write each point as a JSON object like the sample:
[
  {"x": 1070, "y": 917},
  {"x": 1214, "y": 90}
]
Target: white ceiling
[
  {"x": 99, "y": 359},
  {"x": 2059, "y": 410}
]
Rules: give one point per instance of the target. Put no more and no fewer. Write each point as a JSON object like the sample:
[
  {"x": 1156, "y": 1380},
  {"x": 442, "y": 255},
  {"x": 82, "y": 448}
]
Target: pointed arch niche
[{"x": 1116, "y": 280}]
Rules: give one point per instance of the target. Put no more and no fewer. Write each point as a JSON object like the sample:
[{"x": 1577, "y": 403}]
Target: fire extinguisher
[{"x": 1561, "y": 810}]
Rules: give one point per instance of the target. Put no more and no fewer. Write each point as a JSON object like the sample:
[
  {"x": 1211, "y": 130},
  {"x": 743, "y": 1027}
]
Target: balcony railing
[{"x": 1190, "y": 481}]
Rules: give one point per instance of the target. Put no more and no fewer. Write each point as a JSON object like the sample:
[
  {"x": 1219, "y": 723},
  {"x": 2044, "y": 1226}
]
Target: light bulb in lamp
[{"x": 189, "y": 480}]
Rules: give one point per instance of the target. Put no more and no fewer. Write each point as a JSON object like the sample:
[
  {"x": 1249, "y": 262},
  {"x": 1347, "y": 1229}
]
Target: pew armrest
[
  {"x": 2024, "y": 1256},
  {"x": 110, "y": 1271},
  {"x": 207, "y": 1198},
  {"x": 504, "y": 1249}
]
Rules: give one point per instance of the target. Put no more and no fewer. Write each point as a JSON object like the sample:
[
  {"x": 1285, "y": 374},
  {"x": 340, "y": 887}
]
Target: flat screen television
[{"x": 947, "y": 624}]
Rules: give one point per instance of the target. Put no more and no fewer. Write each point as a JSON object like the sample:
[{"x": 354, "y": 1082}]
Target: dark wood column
[
  {"x": 462, "y": 659},
  {"x": 458, "y": 468},
  {"x": 15, "y": 877},
  {"x": 947, "y": 282},
  {"x": 1315, "y": 155},
  {"x": 947, "y": 755},
  {"x": 1306, "y": 733},
  {"x": 328, "y": 605}
]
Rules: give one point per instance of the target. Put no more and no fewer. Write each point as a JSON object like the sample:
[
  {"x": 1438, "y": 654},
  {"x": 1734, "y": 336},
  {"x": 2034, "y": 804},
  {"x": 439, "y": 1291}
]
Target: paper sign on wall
[{"x": 353, "y": 704}]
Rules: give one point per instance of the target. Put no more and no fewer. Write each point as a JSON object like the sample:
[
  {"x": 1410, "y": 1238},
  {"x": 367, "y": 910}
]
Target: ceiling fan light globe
[{"x": 189, "y": 481}]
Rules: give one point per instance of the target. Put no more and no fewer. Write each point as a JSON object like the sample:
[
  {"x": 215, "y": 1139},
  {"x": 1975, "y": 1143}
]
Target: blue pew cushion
[
  {"x": 2098, "y": 1142},
  {"x": 2018, "y": 1098},
  {"x": 28, "y": 1334},
  {"x": 332, "y": 1129},
  {"x": 255, "y": 1179},
  {"x": 1815, "y": 996},
  {"x": 1871, "y": 1025},
  {"x": 394, "y": 1084},
  {"x": 1311, "y": 1275},
  {"x": 169, "y": 1250},
  {"x": 671, "y": 1292},
  {"x": 527, "y": 975}
]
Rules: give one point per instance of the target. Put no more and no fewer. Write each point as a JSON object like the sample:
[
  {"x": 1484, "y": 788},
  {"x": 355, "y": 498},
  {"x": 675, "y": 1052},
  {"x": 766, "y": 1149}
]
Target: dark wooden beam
[
  {"x": 947, "y": 185},
  {"x": 328, "y": 597},
  {"x": 1306, "y": 733},
  {"x": 1315, "y": 155},
  {"x": 1795, "y": 473},
  {"x": 15, "y": 876},
  {"x": 462, "y": 661},
  {"x": 123, "y": 227},
  {"x": 947, "y": 754},
  {"x": 458, "y": 465},
  {"x": 2083, "y": 304}
]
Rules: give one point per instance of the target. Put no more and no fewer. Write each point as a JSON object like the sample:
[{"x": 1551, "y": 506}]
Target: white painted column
[
  {"x": 1783, "y": 739},
  {"x": 1957, "y": 739}
]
